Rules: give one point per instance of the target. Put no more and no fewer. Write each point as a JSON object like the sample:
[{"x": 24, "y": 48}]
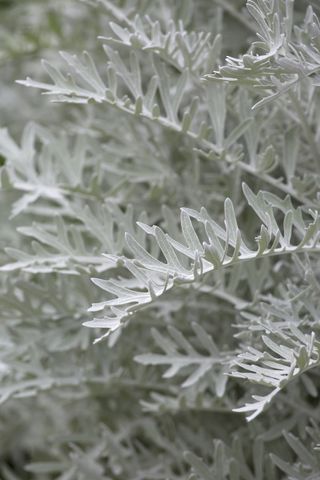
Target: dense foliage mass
[{"x": 159, "y": 263}]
